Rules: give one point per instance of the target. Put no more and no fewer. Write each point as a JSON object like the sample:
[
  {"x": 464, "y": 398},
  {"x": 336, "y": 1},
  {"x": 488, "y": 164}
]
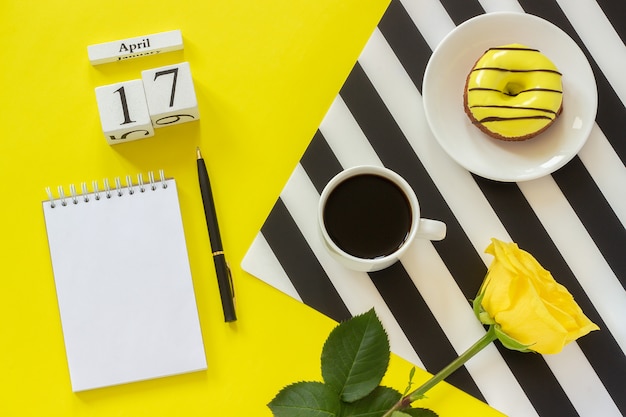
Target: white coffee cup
[{"x": 365, "y": 209}]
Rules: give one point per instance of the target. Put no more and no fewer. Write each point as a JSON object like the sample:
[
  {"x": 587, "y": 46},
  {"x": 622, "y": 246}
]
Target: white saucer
[{"x": 444, "y": 82}]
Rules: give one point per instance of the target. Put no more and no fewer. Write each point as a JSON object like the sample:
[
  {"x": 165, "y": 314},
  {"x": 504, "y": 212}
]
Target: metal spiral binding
[
  {"x": 107, "y": 188},
  {"x": 73, "y": 193},
  {"x": 96, "y": 191},
  {"x": 50, "y": 197},
  {"x": 118, "y": 186},
  {"x": 108, "y": 192},
  {"x": 129, "y": 184},
  {"x": 140, "y": 182},
  {"x": 62, "y": 196},
  {"x": 162, "y": 175},
  {"x": 83, "y": 186}
]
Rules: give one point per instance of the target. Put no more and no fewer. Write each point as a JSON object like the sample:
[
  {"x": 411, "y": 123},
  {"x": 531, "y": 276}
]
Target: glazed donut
[{"x": 513, "y": 92}]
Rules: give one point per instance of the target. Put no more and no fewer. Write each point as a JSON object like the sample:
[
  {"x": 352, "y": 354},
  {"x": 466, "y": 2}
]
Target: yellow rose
[{"x": 524, "y": 302}]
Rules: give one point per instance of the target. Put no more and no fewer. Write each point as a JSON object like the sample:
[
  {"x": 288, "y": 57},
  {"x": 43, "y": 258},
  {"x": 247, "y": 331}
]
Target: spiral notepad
[{"x": 123, "y": 282}]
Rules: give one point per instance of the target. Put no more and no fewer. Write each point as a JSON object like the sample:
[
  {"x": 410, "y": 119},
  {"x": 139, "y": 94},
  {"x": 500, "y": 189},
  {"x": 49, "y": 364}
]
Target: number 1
[{"x": 124, "y": 106}]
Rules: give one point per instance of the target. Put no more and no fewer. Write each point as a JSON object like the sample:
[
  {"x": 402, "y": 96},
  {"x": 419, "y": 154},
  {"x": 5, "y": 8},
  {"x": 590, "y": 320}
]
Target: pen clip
[{"x": 230, "y": 280}]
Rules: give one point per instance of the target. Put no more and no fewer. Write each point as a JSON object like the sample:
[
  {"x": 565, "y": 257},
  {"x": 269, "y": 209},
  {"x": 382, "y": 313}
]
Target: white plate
[{"x": 444, "y": 82}]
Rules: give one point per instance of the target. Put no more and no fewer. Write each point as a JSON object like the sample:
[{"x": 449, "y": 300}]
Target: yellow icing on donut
[{"x": 514, "y": 91}]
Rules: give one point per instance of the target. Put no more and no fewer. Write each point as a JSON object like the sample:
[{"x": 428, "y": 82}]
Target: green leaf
[
  {"x": 410, "y": 384},
  {"x": 355, "y": 356},
  {"x": 305, "y": 399},
  {"x": 373, "y": 405},
  {"x": 477, "y": 304},
  {"x": 510, "y": 343},
  {"x": 420, "y": 412},
  {"x": 480, "y": 312},
  {"x": 400, "y": 414}
]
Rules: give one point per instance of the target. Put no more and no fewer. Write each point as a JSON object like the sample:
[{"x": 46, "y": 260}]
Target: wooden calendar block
[
  {"x": 170, "y": 95},
  {"x": 124, "y": 112},
  {"x": 122, "y": 49}
]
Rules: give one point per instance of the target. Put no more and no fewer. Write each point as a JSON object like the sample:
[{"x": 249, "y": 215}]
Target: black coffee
[{"x": 368, "y": 216}]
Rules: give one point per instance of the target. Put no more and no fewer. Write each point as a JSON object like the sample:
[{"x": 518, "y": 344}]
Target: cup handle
[{"x": 431, "y": 229}]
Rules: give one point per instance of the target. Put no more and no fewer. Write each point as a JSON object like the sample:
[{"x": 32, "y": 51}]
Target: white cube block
[
  {"x": 122, "y": 49},
  {"x": 124, "y": 112},
  {"x": 170, "y": 95}
]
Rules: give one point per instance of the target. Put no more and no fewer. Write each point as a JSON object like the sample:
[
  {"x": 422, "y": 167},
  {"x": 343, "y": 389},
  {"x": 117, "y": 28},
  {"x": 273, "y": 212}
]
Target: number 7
[
  {"x": 169, "y": 71},
  {"x": 175, "y": 82}
]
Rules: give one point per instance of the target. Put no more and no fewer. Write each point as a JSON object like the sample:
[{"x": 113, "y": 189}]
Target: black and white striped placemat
[{"x": 572, "y": 221}]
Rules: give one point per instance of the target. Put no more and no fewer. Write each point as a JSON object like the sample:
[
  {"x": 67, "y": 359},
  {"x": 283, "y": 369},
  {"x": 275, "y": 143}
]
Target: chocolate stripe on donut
[
  {"x": 509, "y": 48},
  {"x": 517, "y": 70},
  {"x": 547, "y": 90},
  {"x": 508, "y": 119},
  {"x": 514, "y": 108}
]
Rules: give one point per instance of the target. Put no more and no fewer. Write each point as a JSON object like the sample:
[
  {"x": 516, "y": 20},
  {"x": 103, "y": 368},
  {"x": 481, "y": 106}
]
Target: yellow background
[{"x": 265, "y": 73}]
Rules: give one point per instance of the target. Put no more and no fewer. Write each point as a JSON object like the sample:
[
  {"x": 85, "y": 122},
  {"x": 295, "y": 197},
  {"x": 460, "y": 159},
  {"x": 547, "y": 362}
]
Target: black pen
[{"x": 224, "y": 278}]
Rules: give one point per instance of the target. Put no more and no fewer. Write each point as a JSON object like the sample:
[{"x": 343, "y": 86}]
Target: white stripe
[
  {"x": 607, "y": 170},
  {"x": 491, "y": 6},
  {"x": 432, "y": 19},
  {"x": 345, "y": 138},
  {"x": 468, "y": 205},
  {"x": 261, "y": 262},
  {"x": 580, "y": 253},
  {"x": 598, "y": 35},
  {"x": 355, "y": 288},
  {"x": 581, "y": 383}
]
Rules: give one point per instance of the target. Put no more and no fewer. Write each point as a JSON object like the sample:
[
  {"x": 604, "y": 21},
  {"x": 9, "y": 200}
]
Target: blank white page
[{"x": 124, "y": 286}]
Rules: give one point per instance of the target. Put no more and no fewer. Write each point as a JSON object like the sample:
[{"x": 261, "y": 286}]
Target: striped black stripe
[
  {"x": 419, "y": 325},
  {"x": 615, "y": 11},
  {"x": 596, "y": 214},
  {"x": 395, "y": 286},
  {"x": 300, "y": 264},
  {"x": 462, "y": 10},
  {"x": 397, "y": 26},
  {"x": 573, "y": 179},
  {"x": 558, "y": 397},
  {"x": 413, "y": 52},
  {"x": 320, "y": 162},
  {"x": 539, "y": 384},
  {"x": 389, "y": 143},
  {"x": 392, "y": 147},
  {"x": 396, "y": 153},
  {"x": 603, "y": 353},
  {"x": 611, "y": 111}
]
